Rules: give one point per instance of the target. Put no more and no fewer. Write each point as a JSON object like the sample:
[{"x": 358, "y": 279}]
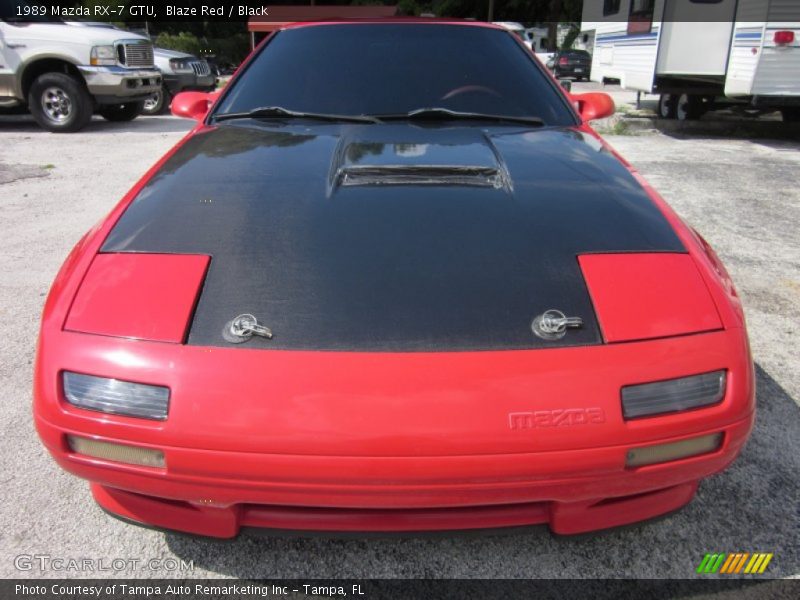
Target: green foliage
[
  {"x": 231, "y": 49},
  {"x": 524, "y": 11},
  {"x": 229, "y": 39},
  {"x": 408, "y": 8},
  {"x": 183, "y": 42}
]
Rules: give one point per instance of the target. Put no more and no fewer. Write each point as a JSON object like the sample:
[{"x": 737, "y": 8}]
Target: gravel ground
[{"x": 741, "y": 195}]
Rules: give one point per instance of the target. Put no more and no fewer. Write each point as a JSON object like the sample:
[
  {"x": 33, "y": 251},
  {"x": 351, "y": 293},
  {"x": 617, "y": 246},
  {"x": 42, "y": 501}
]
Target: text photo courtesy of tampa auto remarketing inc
[{"x": 414, "y": 298}]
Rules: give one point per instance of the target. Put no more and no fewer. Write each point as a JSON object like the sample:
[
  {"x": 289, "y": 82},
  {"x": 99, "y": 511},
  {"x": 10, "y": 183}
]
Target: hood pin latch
[
  {"x": 243, "y": 327},
  {"x": 553, "y": 324}
]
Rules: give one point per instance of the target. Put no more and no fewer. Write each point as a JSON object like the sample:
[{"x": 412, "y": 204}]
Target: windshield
[{"x": 391, "y": 69}]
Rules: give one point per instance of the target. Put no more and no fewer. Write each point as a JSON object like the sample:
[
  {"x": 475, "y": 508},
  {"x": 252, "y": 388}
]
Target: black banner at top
[
  {"x": 132, "y": 10},
  {"x": 527, "y": 12}
]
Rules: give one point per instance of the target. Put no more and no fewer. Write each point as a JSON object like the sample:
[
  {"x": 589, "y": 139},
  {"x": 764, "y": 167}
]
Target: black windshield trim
[
  {"x": 436, "y": 113},
  {"x": 279, "y": 112}
]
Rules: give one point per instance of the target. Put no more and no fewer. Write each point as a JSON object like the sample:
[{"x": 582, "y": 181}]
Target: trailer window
[
  {"x": 610, "y": 7},
  {"x": 640, "y": 18}
]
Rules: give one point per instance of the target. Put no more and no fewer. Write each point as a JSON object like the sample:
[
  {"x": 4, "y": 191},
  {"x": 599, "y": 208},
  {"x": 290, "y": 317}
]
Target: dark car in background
[
  {"x": 571, "y": 63},
  {"x": 180, "y": 72}
]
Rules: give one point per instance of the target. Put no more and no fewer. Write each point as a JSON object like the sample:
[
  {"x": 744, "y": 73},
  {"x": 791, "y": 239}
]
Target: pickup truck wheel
[
  {"x": 59, "y": 103},
  {"x": 158, "y": 103},
  {"x": 121, "y": 112}
]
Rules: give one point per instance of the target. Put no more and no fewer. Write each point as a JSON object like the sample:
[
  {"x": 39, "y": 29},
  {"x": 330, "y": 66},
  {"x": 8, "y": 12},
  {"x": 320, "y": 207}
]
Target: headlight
[
  {"x": 673, "y": 395},
  {"x": 180, "y": 65},
  {"x": 103, "y": 55},
  {"x": 116, "y": 397}
]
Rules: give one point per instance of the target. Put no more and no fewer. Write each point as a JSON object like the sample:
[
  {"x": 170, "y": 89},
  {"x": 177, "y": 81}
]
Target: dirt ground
[{"x": 741, "y": 194}]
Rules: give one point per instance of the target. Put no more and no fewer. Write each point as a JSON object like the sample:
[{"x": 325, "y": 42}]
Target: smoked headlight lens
[
  {"x": 116, "y": 397},
  {"x": 673, "y": 395}
]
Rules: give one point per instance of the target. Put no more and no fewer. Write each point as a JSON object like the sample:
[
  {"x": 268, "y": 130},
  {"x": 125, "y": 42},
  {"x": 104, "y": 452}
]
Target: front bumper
[
  {"x": 217, "y": 493},
  {"x": 181, "y": 82},
  {"x": 112, "y": 85},
  {"x": 570, "y": 71},
  {"x": 383, "y": 442}
]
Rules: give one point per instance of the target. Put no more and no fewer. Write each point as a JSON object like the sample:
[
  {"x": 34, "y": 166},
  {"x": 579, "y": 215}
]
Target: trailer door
[{"x": 695, "y": 37}]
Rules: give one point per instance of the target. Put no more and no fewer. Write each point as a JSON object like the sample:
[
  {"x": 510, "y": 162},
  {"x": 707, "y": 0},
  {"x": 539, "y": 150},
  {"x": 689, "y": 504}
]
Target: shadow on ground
[
  {"x": 745, "y": 129},
  {"x": 752, "y": 507},
  {"x": 713, "y": 125},
  {"x": 160, "y": 124}
]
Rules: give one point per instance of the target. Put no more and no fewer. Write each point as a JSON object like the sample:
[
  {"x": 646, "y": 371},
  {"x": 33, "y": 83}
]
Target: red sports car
[{"x": 392, "y": 281}]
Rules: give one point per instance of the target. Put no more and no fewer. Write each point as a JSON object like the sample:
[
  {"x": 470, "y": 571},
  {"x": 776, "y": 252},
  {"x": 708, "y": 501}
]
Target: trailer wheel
[
  {"x": 791, "y": 114},
  {"x": 690, "y": 107},
  {"x": 667, "y": 106}
]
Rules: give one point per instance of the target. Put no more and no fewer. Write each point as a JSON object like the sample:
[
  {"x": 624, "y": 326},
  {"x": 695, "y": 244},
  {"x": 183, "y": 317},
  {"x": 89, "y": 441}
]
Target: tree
[{"x": 182, "y": 42}]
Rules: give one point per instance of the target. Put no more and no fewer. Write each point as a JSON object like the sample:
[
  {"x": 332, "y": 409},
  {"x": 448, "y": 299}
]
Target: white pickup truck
[{"x": 65, "y": 72}]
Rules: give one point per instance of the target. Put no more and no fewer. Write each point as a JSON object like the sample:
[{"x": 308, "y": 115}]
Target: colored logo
[{"x": 738, "y": 562}]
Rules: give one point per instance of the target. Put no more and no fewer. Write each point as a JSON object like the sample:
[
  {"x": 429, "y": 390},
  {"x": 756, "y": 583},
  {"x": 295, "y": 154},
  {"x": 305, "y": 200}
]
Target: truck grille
[
  {"x": 201, "y": 67},
  {"x": 138, "y": 54}
]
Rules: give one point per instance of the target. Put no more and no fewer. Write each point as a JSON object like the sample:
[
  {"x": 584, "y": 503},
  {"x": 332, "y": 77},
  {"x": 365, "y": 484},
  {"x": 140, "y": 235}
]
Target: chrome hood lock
[
  {"x": 553, "y": 324},
  {"x": 243, "y": 327}
]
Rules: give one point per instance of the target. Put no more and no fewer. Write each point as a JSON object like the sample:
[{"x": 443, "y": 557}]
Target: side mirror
[
  {"x": 594, "y": 105},
  {"x": 566, "y": 84},
  {"x": 192, "y": 105}
]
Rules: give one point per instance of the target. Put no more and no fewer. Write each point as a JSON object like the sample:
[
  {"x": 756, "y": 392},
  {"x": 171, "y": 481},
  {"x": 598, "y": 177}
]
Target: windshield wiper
[
  {"x": 434, "y": 113},
  {"x": 280, "y": 112}
]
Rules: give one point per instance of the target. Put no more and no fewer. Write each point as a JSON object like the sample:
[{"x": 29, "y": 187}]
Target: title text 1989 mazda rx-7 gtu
[{"x": 392, "y": 281}]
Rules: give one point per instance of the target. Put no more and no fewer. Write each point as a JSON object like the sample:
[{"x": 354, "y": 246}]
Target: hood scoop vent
[
  {"x": 466, "y": 175},
  {"x": 388, "y": 156}
]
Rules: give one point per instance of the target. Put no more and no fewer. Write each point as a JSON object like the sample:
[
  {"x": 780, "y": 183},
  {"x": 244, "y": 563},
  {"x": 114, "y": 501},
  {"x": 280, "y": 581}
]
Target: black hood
[{"x": 392, "y": 236}]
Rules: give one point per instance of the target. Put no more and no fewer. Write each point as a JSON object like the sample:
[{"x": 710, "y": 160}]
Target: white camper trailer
[{"x": 700, "y": 54}]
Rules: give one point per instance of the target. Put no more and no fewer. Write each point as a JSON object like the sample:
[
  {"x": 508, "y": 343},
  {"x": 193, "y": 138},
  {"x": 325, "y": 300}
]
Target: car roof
[
  {"x": 510, "y": 25},
  {"x": 394, "y": 21}
]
